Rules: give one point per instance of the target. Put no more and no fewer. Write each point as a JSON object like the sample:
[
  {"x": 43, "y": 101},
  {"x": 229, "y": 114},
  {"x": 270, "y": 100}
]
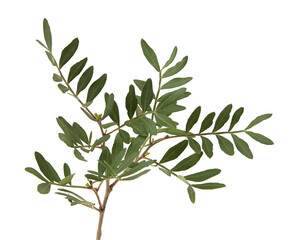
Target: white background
[{"x": 239, "y": 53}]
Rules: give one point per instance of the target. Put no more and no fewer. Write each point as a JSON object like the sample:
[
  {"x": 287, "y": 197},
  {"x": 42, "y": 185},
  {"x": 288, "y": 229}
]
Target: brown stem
[{"x": 102, "y": 210}]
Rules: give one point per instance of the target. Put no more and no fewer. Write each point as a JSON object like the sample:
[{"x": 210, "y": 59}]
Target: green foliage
[{"x": 153, "y": 109}]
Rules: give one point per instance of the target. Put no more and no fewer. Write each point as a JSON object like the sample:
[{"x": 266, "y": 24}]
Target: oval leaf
[
  {"x": 43, "y": 188},
  {"x": 225, "y": 145},
  {"x": 236, "y": 117},
  {"x": 47, "y": 34},
  {"x": 76, "y": 69},
  {"x": 56, "y": 78},
  {"x": 150, "y": 55},
  {"x": 124, "y": 136},
  {"x": 193, "y": 118},
  {"x": 207, "y": 122},
  {"x": 187, "y": 163},
  {"x": 96, "y": 88},
  {"x": 242, "y": 146},
  {"x": 175, "y": 69},
  {"x": 222, "y": 118},
  {"x": 66, "y": 170},
  {"x": 68, "y": 52},
  {"x": 147, "y": 95},
  {"x": 174, "y": 151},
  {"x": 207, "y": 146},
  {"x": 194, "y": 145},
  {"x": 79, "y": 156},
  {"x": 260, "y": 138},
  {"x": 109, "y": 100},
  {"x": 85, "y": 79},
  {"x": 131, "y": 102},
  {"x": 191, "y": 194}
]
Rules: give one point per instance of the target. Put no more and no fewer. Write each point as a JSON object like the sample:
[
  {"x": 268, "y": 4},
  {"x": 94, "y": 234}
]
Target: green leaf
[
  {"x": 139, "y": 83},
  {"x": 202, "y": 176},
  {"x": 85, "y": 79},
  {"x": 109, "y": 100},
  {"x": 207, "y": 186},
  {"x": 172, "y": 57},
  {"x": 168, "y": 173},
  {"x": 88, "y": 115},
  {"x": 80, "y": 132},
  {"x": 96, "y": 88},
  {"x": 66, "y": 139},
  {"x": 62, "y": 88},
  {"x": 242, "y": 146},
  {"x": 169, "y": 109},
  {"x": 195, "y": 146},
  {"x": 147, "y": 95},
  {"x": 150, "y": 125},
  {"x": 56, "y": 78},
  {"x": 43, "y": 188},
  {"x": 79, "y": 156},
  {"x": 114, "y": 115},
  {"x": 136, "y": 176},
  {"x": 191, "y": 194},
  {"x": 66, "y": 180},
  {"x": 66, "y": 170},
  {"x": 129, "y": 159},
  {"x": 207, "y": 122},
  {"x": 207, "y": 146},
  {"x": 150, "y": 55},
  {"x": 50, "y": 58},
  {"x": 35, "y": 173},
  {"x": 107, "y": 125},
  {"x": 258, "y": 119},
  {"x": 193, "y": 118},
  {"x": 68, "y": 52},
  {"x": 164, "y": 120},
  {"x": 236, "y": 117},
  {"x": 260, "y": 138},
  {"x": 76, "y": 69},
  {"x": 175, "y": 69},
  {"x": 173, "y": 152},
  {"x": 46, "y": 168},
  {"x": 187, "y": 163},
  {"x": 139, "y": 127},
  {"x": 104, "y": 158},
  {"x": 176, "y": 82},
  {"x": 124, "y": 136},
  {"x": 225, "y": 145},
  {"x": 222, "y": 118},
  {"x": 172, "y": 131},
  {"x": 170, "y": 98},
  {"x": 131, "y": 102},
  {"x": 136, "y": 143},
  {"x": 93, "y": 177},
  {"x": 47, "y": 34},
  {"x": 68, "y": 130},
  {"x": 42, "y": 44},
  {"x": 139, "y": 166},
  {"x": 100, "y": 141}
]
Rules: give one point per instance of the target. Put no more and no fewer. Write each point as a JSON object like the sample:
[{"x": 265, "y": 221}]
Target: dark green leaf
[
  {"x": 80, "y": 132},
  {"x": 76, "y": 69},
  {"x": 62, "y": 88},
  {"x": 260, "y": 138},
  {"x": 68, "y": 191},
  {"x": 47, "y": 34},
  {"x": 236, "y": 117},
  {"x": 100, "y": 141},
  {"x": 259, "y": 119},
  {"x": 194, "y": 145},
  {"x": 66, "y": 139},
  {"x": 207, "y": 146},
  {"x": 150, "y": 125},
  {"x": 66, "y": 180},
  {"x": 96, "y": 88},
  {"x": 207, "y": 122},
  {"x": 36, "y": 173},
  {"x": 79, "y": 156},
  {"x": 131, "y": 102},
  {"x": 191, "y": 194},
  {"x": 242, "y": 146},
  {"x": 46, "y": 168},
  {"x": 222, "y": 118},
  {"x": 209, "y": 185},
  {"x": 93, "y": 177},
  {"x": 85, "y": 79},
  {"x": 68, "y": 52},
  {"x": 172, "y": 57},
  {"x": 176, "y": 82},
  {"x": 174, "y": 151},
  {"x": 42, "y": 44},
  {"x": 68, "y": 130},
  {"x": 169, "y": 109},
  {"x": 146, "y": 95},
  {"x": 88, "y": 115},
  {"x": 172, "y": 131},
  {"x": 139, "y": 166},
  {"x": 150, "y": 55},
  {"x": 139, "y": 83},
  {"x": 43, "y": 188},
  {"x": 56, "y": 78},
  {"x": 50, "y": 57},
  {"x": 136, "y": 143},
  {"x": 129, "y": 159},
  {"x": 164, "y": 120},
  {"x": 109, "y": 99},
  {"x": 225, "y": 145},
  {"x": 204, "y": 175},
  {"x": 124, "y": 136},
  {"x": 137, "y": 175},
  {"x": 107, "y": 125},
  {"x": 193, "y": 118},
  {"x": 175, "y": 69},
  {"x": 139, "y": 127},
  {"x": 187, "y": 163},
  {"x": 170, "y": 98},
  {"x": 66, "y": 170}
]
